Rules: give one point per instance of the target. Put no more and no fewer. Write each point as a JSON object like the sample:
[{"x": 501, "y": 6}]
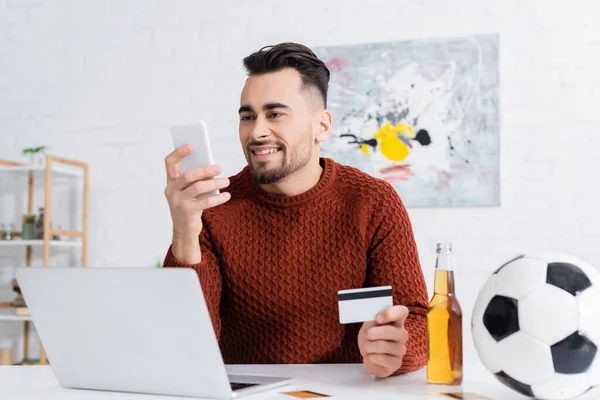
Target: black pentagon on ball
[
  {"x": 508, "y": 262},
  {"x": 573, "y": 355},
  {"x": 514, "y": 384},
  {"x": 501, "y": 317},
  {"x": 567, "y": 277}
]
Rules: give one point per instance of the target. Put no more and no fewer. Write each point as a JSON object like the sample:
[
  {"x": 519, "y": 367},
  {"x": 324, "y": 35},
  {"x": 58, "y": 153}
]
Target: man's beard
[{"x": 265, "y": 176}]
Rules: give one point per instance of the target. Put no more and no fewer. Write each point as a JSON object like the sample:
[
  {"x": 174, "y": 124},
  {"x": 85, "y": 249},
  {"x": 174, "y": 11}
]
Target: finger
[
  {"x": 374, "y": 369},
  {"x": 362, "y": 334},
  {"x": 213, "y": 201},
  {"x": 196, "y": 174},
  {"x": 384, "y": 347},
  {"x": 201, "y": 187},
  {"x": 387, "y": 332},
  {"x": 172, "y": 161},
  {"x": 387, "y": 363},
  {"x": 368, "y": 325},
  {"x": 393, "y": 315}
]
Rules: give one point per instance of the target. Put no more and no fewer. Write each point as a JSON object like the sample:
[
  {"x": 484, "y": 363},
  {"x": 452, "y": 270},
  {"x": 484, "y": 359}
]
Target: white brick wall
[{"x": 101, "y": 81}]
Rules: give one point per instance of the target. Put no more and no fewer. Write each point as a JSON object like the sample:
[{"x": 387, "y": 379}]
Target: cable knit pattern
[{"x": 272, "y": 265}]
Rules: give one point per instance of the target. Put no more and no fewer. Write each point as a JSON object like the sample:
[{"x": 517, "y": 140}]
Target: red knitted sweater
[{"x": 272, "y": 265}]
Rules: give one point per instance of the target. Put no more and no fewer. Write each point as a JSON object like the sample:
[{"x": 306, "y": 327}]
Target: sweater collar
[{"x": 327, "y": 178}]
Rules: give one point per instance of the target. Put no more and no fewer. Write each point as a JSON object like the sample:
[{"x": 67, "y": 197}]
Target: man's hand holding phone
[{"x": 187, "y": 196}]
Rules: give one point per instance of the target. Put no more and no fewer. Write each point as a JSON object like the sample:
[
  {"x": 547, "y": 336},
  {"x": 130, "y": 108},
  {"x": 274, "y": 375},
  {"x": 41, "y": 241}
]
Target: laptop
[{"x": 140, "y": 330}]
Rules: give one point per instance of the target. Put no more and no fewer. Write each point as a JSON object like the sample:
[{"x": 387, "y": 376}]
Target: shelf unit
[{"x": 54, "y": 166}]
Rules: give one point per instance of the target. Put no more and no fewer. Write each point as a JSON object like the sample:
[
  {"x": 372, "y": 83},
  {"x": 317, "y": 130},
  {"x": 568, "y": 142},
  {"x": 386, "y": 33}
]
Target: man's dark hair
[{"x": 273, "y": 58}]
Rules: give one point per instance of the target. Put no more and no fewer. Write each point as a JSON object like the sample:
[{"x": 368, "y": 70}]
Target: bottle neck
[{"x": 444, "y": 270}]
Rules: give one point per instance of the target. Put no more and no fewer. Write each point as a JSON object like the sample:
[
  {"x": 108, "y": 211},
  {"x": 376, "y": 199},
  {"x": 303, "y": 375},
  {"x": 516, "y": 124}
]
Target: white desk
[{"x": 338, "y": 381}]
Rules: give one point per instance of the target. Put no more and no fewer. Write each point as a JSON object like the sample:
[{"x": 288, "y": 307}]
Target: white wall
[{"x": 101, "y": 81}]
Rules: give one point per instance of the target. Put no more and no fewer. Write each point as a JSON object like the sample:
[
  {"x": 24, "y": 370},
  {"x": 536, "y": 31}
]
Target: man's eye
[
  {"x": 275, "y": 114},
  {"x": 246, "y": 118}
]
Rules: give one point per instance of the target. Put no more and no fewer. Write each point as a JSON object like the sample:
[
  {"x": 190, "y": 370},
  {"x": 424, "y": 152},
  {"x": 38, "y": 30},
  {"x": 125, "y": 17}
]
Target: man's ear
[{"x": 324, "y": 126}]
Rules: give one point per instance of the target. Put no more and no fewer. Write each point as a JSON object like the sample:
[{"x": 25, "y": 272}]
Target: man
[{"x": 291, "y": 229}]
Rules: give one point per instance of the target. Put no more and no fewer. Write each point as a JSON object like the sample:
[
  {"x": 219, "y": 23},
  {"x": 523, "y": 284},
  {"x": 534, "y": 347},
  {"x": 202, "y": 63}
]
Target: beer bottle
[{"x": 444, "y": 324}]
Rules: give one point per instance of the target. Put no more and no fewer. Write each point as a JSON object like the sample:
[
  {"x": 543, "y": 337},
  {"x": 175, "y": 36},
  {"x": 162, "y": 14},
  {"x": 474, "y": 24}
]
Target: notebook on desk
[{"x": 142, "y": 330}]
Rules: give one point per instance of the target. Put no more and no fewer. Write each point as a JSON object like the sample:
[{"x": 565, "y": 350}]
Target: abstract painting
[{"x": 421, "y": 114}]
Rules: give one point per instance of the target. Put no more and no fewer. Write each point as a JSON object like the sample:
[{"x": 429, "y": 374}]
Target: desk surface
[{"x": 338, "y": 381}]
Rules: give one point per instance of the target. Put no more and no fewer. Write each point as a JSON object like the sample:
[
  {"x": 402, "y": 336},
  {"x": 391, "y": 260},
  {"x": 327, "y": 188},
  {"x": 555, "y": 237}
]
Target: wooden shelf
[
  {"x": 7, "y": 313},
  {"x": 16, "y": 318},
  {"x": 51, "y": 243},
  {"x": 59, "y": 169}
]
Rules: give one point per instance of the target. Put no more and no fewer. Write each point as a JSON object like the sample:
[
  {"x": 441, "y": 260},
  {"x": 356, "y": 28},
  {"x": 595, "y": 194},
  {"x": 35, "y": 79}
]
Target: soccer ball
[{"x": 536, "y": 325}]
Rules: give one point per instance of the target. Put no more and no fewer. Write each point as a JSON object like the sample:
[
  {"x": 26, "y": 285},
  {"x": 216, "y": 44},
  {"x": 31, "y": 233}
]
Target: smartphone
[{"x": 196, "y": 134}]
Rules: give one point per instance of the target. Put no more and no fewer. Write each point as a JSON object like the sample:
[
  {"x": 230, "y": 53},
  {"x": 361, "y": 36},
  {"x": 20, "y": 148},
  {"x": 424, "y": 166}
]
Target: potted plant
[
  {"x": 37, "y": 155},
  {"x": 28, "y": 227}
]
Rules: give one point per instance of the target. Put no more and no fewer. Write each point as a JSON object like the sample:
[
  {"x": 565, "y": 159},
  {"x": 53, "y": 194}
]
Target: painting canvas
[{"x": 421, "y": 114}]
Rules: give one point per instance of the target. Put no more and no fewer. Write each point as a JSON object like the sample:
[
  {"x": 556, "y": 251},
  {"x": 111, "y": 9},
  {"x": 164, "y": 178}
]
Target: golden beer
[{"x": 444, "y": 324}]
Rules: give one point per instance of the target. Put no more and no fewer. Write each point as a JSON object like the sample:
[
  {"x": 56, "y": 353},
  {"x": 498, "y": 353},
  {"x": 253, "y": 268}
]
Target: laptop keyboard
[{"x": 237, "y": 385}]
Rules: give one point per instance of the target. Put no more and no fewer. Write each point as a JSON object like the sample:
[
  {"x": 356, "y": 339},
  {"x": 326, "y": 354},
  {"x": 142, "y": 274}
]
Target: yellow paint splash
[
  {"x": 390, "y": 144},
  {"x": 364, "y": 148}
]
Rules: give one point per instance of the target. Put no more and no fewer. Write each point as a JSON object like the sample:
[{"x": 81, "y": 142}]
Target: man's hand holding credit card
[{"x": 382, "y": 337}]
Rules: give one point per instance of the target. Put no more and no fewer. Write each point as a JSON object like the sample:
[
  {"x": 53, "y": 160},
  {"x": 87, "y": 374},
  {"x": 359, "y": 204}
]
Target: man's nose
[{"x": 261, "y": 129}]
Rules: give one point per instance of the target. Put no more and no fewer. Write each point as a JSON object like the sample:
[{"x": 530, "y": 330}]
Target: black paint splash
[
  {"x": 451, "y": 147},
  {"x": 423, "y": 137},
  {"x": 360, "y": 141}
]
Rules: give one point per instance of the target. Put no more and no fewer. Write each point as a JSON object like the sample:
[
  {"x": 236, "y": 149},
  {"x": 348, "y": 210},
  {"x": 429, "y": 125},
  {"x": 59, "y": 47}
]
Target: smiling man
[{"x": 291, "y": 229}]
